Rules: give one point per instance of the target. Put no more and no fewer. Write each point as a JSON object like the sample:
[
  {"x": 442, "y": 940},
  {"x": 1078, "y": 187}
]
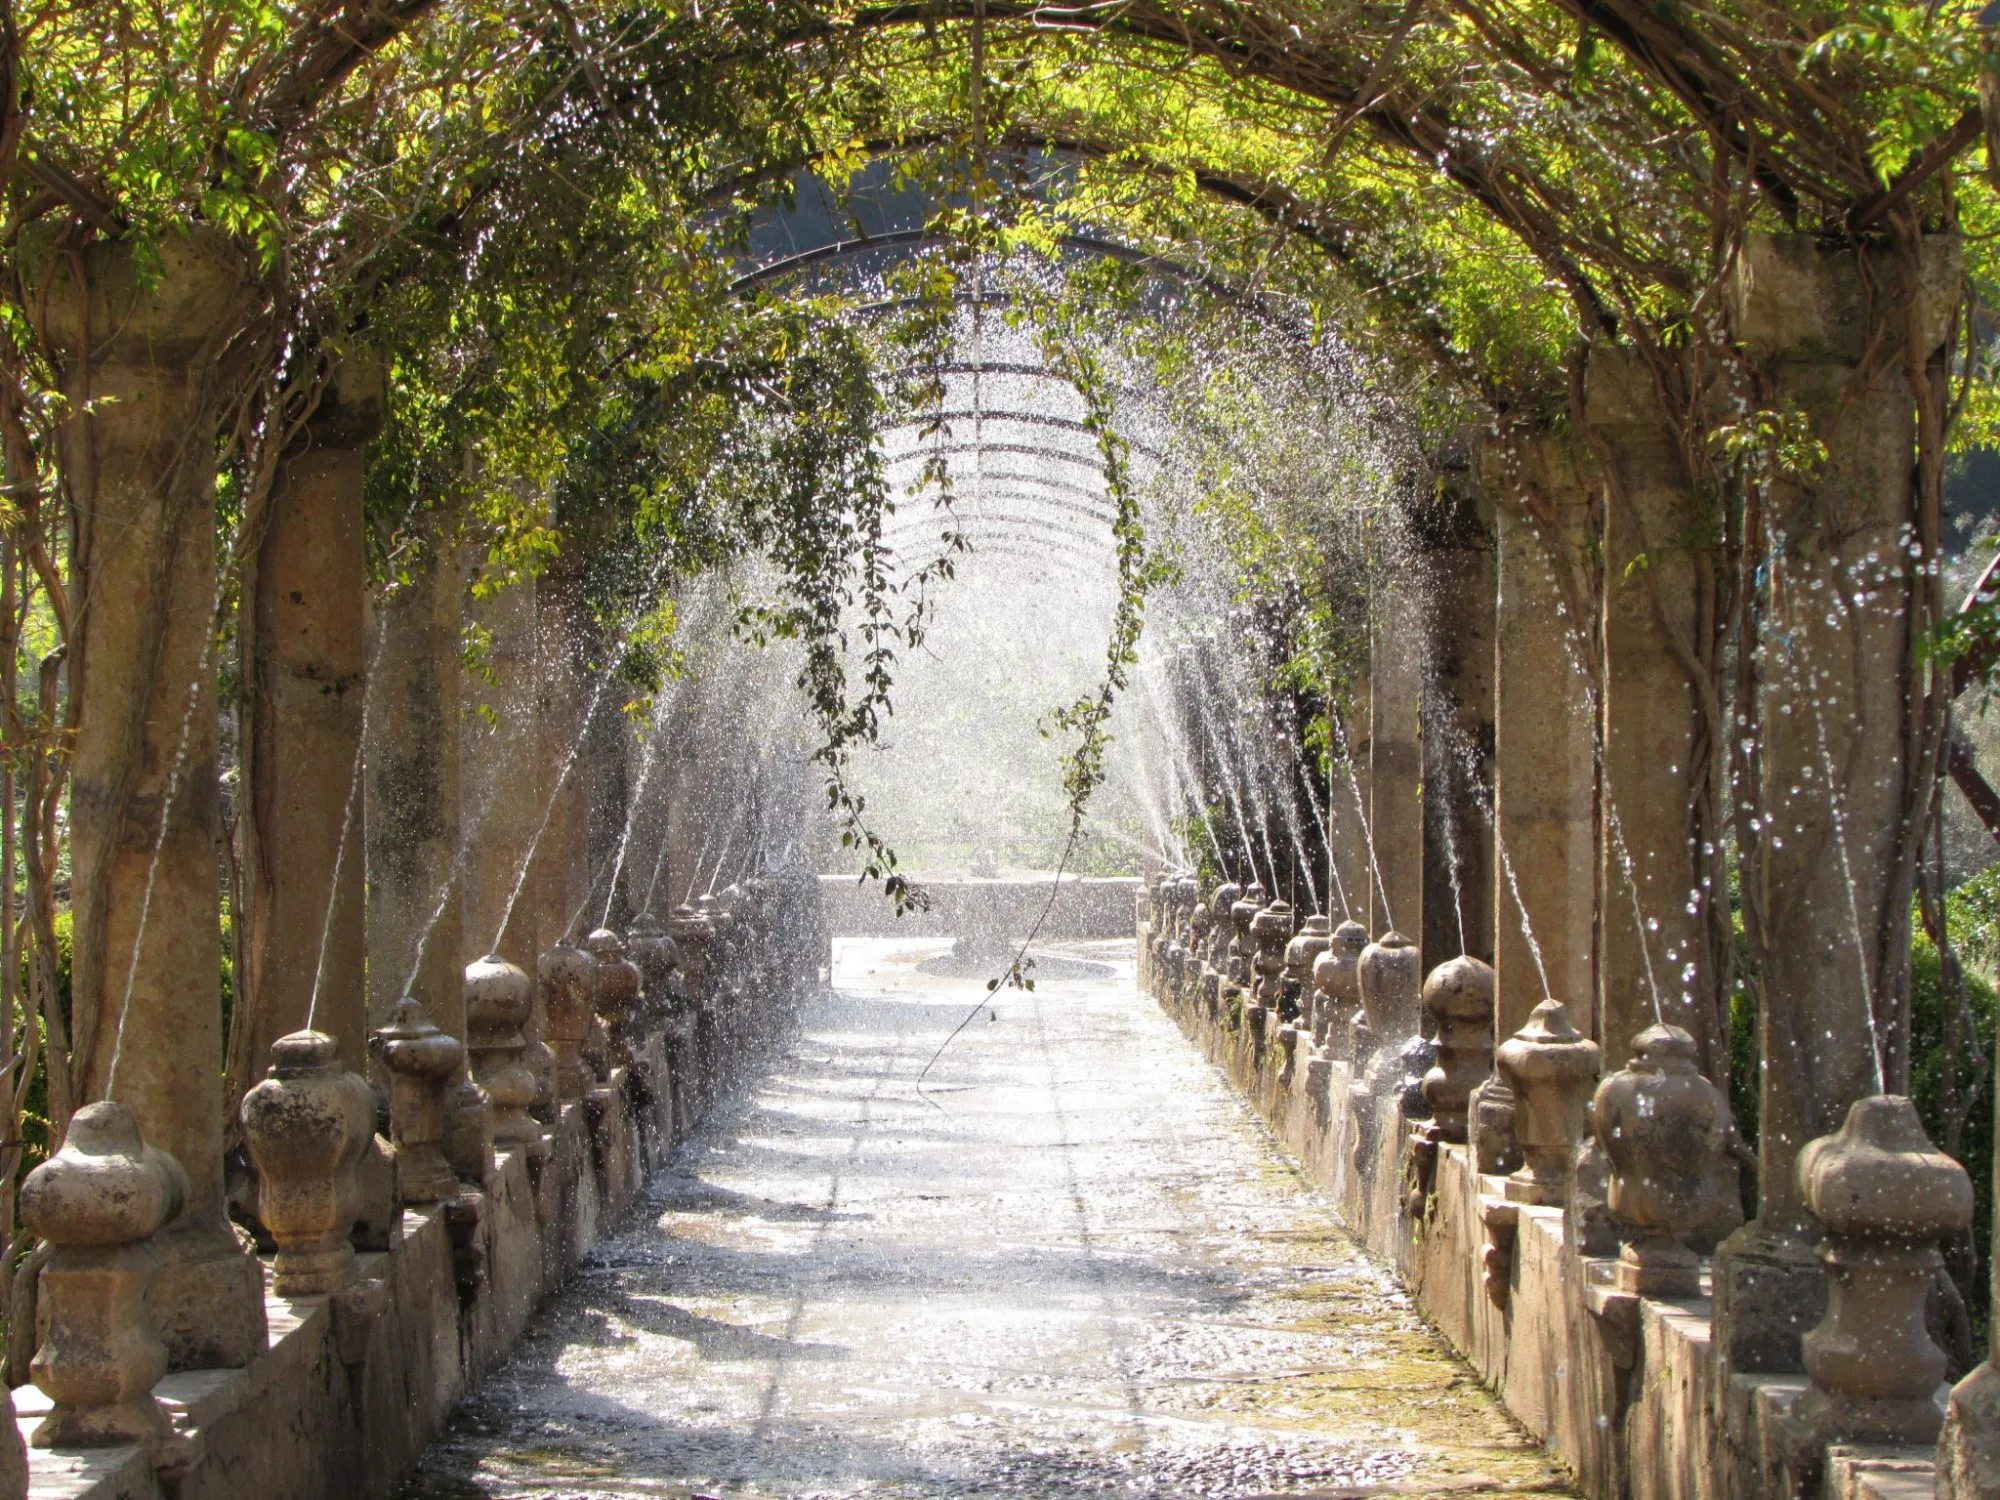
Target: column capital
[
  {"x": 1794, "y": 297},
  {"x": 159, "y": 306},
  {"x": 352, "y": 402}
]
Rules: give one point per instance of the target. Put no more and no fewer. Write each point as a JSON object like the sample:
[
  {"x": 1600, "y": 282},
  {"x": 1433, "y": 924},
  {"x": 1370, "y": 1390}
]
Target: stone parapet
[
  {"x": 353, "y": 1386},
  {"x": 1629, "y": 1391}
]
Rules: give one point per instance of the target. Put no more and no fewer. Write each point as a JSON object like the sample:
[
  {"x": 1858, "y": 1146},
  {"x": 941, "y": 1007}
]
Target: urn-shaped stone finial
[
  {"x": 499, "y": 999},
  {"x": 1391, "y": 987},
  {"x": 564, "y": 977},
  {"x": 1663, "y": 1127},
  {"x": 1242, "y": 912},
  {"x": 1301, "y": 953},
  {"x": 306, "y": 1127},
  {"x": 468, "y": 1130},
  {"x": 1886, "y": 1197},
  {"x": 616, "y": 988},
  {"x": 97, "y": 1202},
  {"x": 693, "y": 935},
  {"x": 1221, "y": 925},
  {"x": 1549, "y": 1065},
  {"x": 1458, "y": 996},
  {"x": 647, "y": 944},
  {"x": 1337, "y": 981},
  {"x": 1201, "y": 931},
  {"x": 1270, "y": 930},
  {"x": 421, "y": 1062}
]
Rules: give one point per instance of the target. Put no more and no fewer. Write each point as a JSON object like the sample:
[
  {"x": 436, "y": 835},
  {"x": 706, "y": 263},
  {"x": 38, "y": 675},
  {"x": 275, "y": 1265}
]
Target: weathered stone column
[
  {"x": 303, "y": 868},
  {"x": 607, "y": 805},
  {"x": 1458, "y": 749},
  {"x": 1544, "y": 753},
  {"x": 414, "y": 926},
  {"x": 502, "y": 790},
  {"x": 1349, "y": 876},
  {"x": 1836, "y": 667},
  {"x": 1968, "y": 1452},
  {"x": 139, "y": 451},
  {"x": 1396, "y": 757},
  {"x": 1653, "y": 959},
  {"x": 561, "y": 872}
]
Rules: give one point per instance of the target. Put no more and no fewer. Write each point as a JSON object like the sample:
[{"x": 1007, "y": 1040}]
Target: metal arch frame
[
  {"x": 1021, "y": 505},
  {"x": 1033, "y": 552},
  {"x": 1007, "y": 369},
  {"x": 1024, "y": 490},
  {"x": 1061, "y": 424},
  {"x": 1024, "y": 450},
  {"x": 1039, "y": 481},
  {"x": 1028, "y": 525},
  {"x": 901, "y": 239},
  {"x": 1027, "y": 490}
]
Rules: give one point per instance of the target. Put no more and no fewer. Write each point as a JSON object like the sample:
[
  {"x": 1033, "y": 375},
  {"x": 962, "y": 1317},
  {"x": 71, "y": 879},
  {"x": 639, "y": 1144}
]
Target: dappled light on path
[{"x": 1076, "y": 1268}]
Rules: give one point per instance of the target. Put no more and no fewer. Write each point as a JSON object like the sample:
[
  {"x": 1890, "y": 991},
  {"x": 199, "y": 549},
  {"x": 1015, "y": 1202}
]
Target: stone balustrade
[
  {"x": 373, "y": 1338},
  {"x": 1607, "y": 1350}
]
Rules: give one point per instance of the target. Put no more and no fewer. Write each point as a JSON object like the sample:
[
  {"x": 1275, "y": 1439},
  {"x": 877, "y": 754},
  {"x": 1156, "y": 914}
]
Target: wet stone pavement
[{"x": 1078, "y": 1267}]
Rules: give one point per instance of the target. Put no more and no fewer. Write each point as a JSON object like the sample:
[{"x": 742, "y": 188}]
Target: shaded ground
[{"x": 1077, "y": 1268}]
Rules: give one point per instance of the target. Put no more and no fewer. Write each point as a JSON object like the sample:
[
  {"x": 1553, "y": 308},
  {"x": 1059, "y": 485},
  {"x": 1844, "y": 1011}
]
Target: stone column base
[
  {"x": 1968, "y": 1451},
  {"x": 1769, "y": 1289},
  {"x": 207, "y": 1300}
]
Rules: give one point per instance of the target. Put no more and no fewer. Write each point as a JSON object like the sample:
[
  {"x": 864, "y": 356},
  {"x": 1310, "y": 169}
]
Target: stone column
[
  {"x": 1836, "y": 672},
  {"x": 1458, "y": 756},
  {"x": 1653, "y": 961},
  {"x": 502, "y": 788},
  {"x": 1395, "y": 758},
  {"x": 1544, "y": 750},
  {"x": 1968, "y": 1452},
  {"x": 415, "y": 929},
  {"x": 303, "y": 875},
  {"x": 607, "y": 799},
  {"x": 561, "y": 867},
  {"x": 139, "y": 452},
  {"x": 1346, "y": 806}
]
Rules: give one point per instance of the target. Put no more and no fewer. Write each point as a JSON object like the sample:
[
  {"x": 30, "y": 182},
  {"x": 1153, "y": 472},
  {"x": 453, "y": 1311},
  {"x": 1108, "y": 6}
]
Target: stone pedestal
[
  {"x": 468, "y": 1129},
  {"x": 564, "y": 979},
  {"x": 420, "y": 1061},
  {"x": 1458, "y": 996},
  {"x": 1337, "y": 978},
  {"x": 1391, "y": 986},
  {"x": 1886, "y": 1196},
  {"x": 1662, "y": 1127},
  {"x": 1270, "y": 931},
  {"x": 616, "y": 988},
  {"x": 1241, "y": 947},
  {"x": 1549, "y": 1065},
  {"x": 499, "y": 999},
  {"x": 97, "y": 1202},
  {"x": 303, "y": 876},
  {"x": 306, "y": 1126},
  {"x": 1301, "y": 953},
  {"x": 144, "y": 810}
]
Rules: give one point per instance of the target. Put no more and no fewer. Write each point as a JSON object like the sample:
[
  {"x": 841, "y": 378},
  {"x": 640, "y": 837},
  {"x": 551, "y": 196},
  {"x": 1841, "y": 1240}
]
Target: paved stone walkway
[{"x": 1077, "y": 1268}]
